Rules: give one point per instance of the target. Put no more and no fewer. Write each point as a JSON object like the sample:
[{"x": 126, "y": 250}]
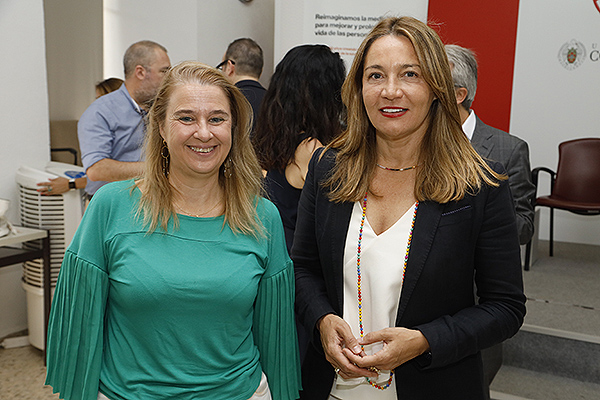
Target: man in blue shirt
[{"x": 111, "y": 131}]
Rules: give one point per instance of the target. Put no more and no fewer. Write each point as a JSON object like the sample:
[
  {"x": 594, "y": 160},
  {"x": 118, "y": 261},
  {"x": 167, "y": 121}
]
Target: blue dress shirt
[{"x": 112, "y": 127}]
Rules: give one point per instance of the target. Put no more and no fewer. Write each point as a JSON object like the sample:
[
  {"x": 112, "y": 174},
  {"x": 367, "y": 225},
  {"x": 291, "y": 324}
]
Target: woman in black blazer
[{"x": 406, "y": 249}]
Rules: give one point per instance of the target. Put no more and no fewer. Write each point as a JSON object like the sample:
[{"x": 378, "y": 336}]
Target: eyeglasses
[{"x": 220, "y": 66}]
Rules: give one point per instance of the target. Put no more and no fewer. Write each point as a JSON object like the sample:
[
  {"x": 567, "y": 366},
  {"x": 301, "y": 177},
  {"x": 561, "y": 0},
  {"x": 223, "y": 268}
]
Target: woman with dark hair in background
[{"x": 301, "y": 111}]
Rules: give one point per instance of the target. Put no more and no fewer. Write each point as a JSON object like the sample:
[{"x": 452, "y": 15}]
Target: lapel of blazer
[
  {"x": 428, "y": 218},
  {"x": 337, "y": 229},
  {"x": 481, "y": 140}
]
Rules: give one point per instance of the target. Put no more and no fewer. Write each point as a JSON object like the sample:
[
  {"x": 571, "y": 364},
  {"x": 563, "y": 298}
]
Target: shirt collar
[
  {"x": 469, "y": 125},
  {"x": 135, "y": 105}
]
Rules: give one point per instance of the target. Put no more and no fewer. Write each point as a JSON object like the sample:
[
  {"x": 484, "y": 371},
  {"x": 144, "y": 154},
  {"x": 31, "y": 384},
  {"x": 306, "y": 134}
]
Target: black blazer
[
  {"x": 454, "y": 245},
  {"x": 254, "y": 93}
]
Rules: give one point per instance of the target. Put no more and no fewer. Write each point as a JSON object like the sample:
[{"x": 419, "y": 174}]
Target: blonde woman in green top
[{"x": 178, "y": 285}]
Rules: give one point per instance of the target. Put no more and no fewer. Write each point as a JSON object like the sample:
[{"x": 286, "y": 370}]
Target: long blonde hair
[
  {"x": 449, "y": 167},
  {"x": 239, "y": 176}
]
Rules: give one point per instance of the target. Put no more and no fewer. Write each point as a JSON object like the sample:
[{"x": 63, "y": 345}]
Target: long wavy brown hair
[
  {"x": 304, "y": 96},
  {"x": 242, "y": 182},
  {"x": 449, "y": 167}
]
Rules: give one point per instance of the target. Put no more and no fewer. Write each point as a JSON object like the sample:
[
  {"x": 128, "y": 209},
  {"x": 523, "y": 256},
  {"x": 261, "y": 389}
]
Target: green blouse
[{"x": 194, "y": 312}]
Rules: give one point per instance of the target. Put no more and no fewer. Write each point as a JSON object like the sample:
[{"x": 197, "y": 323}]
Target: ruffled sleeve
[
  {"x": 76, "y": 324},
  {"x": 75, "y": 331},
  {"x": 274, "y": 325},
  {"x": 275, "y": 334}
]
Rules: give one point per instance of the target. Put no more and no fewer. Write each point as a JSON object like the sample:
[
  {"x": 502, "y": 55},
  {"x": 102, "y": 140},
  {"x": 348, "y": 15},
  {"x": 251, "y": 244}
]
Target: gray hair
[
  {"x": 140, "y": 53},
  {"x": 464, "y": 71},
  {"x": 247, "y": 55}
]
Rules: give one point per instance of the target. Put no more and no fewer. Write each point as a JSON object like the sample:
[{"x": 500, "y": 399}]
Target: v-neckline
[{"x": 368, "y": 224}]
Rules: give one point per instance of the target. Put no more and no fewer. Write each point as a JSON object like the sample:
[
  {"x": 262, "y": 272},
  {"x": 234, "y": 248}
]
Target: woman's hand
[
  {"x": 338, "y": 341},
  {"x": 54, "y": 186},
  {"x": 399, "y": 346}
]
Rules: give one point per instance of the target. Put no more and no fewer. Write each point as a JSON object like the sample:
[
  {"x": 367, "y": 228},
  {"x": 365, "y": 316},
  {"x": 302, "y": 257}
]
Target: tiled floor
[
  {"x": 564, "y": 294},
  {"x": 531, "y": 385},
  {"x": 22, "y": 375},
  {"x": 564, "y": 291}
]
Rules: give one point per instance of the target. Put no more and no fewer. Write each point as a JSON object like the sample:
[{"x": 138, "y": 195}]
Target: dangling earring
[
  {"x": 164, "y": 152},
  {"x": 228, "y": 168}
]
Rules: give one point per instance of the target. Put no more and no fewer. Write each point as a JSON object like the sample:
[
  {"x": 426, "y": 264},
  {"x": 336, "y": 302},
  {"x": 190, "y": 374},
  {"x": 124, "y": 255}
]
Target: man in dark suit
[
  {"x": 242, "y": 65},
  {"x": 493, "y": 144}
]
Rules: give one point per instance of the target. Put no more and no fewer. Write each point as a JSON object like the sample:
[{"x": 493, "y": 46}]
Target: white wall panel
[
  {"x": 189, "y": 29},
  {"x": 317, "y": 21},
  {"x": 24, "y": 132}
]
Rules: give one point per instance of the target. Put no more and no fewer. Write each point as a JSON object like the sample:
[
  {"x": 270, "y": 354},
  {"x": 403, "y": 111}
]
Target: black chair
[{"x": 575, "y": 186}]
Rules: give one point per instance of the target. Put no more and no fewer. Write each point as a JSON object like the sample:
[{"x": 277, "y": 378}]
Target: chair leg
[
  {"x": 527, "y": 254},
  {"x": 551, "y": 231}
]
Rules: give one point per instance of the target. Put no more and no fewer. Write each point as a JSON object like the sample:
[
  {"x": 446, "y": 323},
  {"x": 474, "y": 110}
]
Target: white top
[
  {"x": 469, "y": 125},
  {"x": 382, "y": 264}
]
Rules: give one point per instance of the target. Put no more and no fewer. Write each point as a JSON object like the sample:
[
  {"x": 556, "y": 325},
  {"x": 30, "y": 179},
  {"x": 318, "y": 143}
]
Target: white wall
[
  {"x": 288, "y": 27},
  {"x": 189, "y": 29},
  {"x": 296, "y": 23},
  {"x": 221, "y": 22},
  {"x": 552, "y": 104},
  {"x": 24, "y": 132},
  {"x": 74, "y": 55}
]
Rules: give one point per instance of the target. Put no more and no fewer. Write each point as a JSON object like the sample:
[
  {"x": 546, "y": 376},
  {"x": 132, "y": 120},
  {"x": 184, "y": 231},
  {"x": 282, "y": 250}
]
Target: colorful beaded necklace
[{"x": 360, "y": 319}]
